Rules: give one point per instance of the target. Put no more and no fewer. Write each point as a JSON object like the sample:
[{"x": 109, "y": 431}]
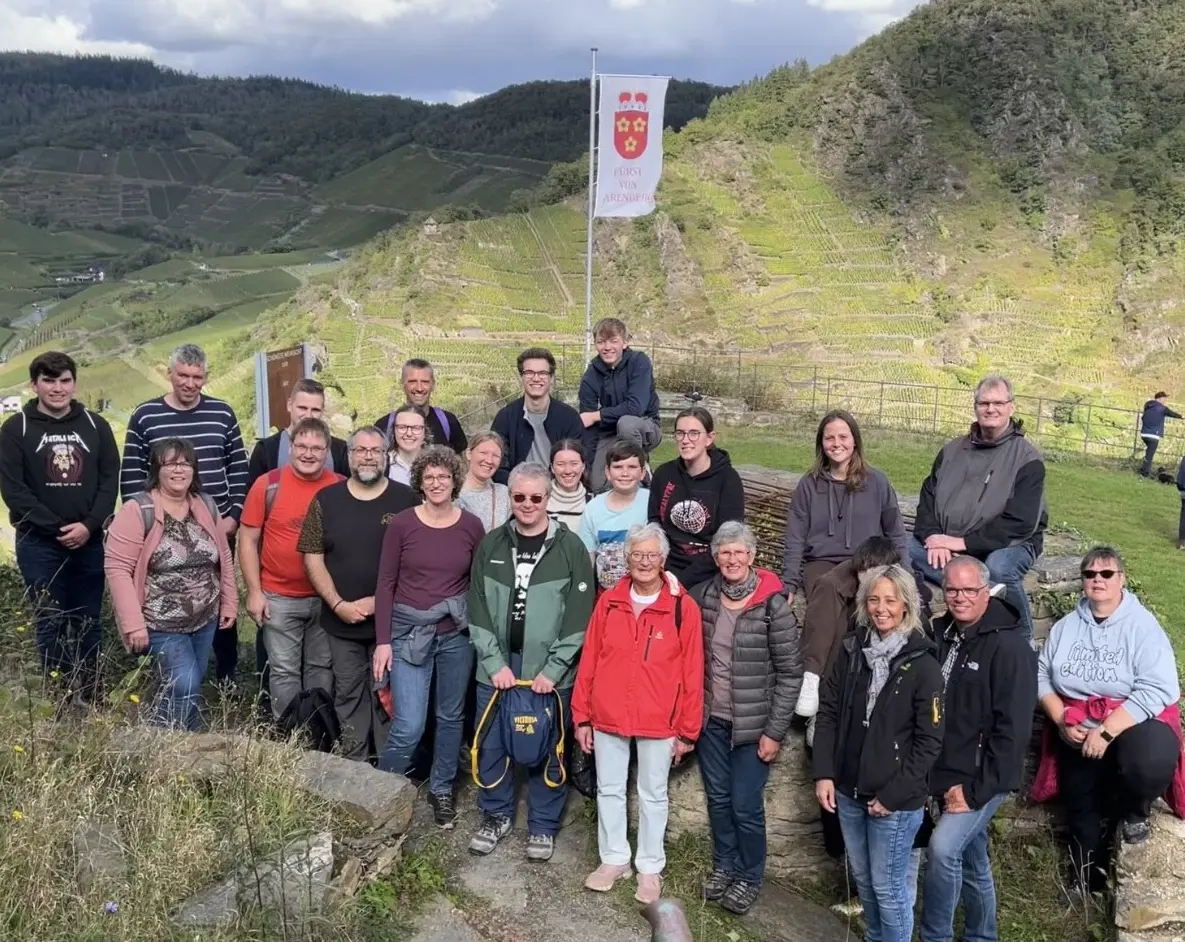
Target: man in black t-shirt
[{"x": 341, "y": 542}]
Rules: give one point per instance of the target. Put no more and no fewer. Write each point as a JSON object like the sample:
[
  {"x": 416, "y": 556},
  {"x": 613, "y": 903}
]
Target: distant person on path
[
  {"x": 1152, "y": 419},
  {"x": 530, "y": 599},
  {"x": 989, "y": 675},
  {"x": 879, "y": 732},
  {"x": 340, "y": 540},
  {"x": 837, "y": 505},
  {"x": 532, "y": 423},
  {"x": 481, "y": 494},
  {"x": 59, "y": 477},
  {"x": 422, "y": 623},
  {"x": 753, "y": 670},
  {"x": 444, "y": 428},
  {"x": 172, "y": 578},
  {"x": 640, "y": 683},
  {"x": 1108, "y": 682},
  {"x": 609, "y": 516},
  {"x": 617, "y": 397},
  {"x": 985, "y": 497},
  {"x": 306, "y": 401},
  {"x": 568, "y": 497},
  {"x": 280, "y": 598},
  {"x": 213, "y": 429},
  {"x": 407, "y": 437},
  {"x": 693, "y": 494}
]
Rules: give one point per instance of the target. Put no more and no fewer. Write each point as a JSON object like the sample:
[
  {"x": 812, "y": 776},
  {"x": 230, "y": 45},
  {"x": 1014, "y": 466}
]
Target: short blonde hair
[{"x": 907, "y": 591}]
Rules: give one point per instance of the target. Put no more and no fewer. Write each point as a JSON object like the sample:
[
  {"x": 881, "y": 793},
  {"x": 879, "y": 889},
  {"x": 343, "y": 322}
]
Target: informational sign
[{"x": 275, "y": 373}]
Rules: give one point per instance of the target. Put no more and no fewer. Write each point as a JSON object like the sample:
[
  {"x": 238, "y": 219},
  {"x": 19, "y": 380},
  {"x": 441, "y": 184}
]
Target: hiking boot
[
  {"x": 808, "y": 695},
  {"x": 540, "y": 847},
  {"x": 649, "y": 888},
  {"x": 740, "y": 897},
  {"x": 605, "y": 876},
  {"x": 717, "y": 885},
  {"x": 493, "y": 828},
  {"x": 443, "y": 812},
  {"x": 1136, "y": 832}
]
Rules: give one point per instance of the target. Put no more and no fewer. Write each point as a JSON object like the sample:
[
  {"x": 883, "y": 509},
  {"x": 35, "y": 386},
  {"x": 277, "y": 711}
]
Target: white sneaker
[
  {"x": 810, "y": 733},
  {"x": 808, "y": 695}
]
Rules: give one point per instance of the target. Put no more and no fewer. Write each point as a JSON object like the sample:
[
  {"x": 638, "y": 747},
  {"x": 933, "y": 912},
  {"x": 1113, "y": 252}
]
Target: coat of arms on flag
[{"x": 631, "y": 124}]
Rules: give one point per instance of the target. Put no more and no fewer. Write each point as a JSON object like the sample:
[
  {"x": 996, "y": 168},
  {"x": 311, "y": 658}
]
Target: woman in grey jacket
[
  {"x": 838, "y": 504},
  {"x": 752, "y": 674}
]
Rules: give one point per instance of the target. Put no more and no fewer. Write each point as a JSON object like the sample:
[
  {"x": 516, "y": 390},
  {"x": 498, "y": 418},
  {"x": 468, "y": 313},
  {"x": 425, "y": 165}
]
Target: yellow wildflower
[
  {"x": 18, "y": 815},
  {"x": 134, "y": 698},
  {"x": 20, "y": 629},
  {"x": 18, "y": 748}
]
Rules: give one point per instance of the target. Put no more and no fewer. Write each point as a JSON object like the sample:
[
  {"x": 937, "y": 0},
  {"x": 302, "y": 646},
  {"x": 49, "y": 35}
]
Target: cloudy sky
[{"x": 450, "y": 49}]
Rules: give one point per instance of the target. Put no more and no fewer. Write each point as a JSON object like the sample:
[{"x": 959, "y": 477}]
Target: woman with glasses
[
  {"x": 754, "y": 668},
  {"x": 640, "y": 680},
  {"x": 691, "y": 496},
  {"x": 481, "y": 495},
  {"x": 878, "y": 733},
  {"x": 422, "y": 623},
  {"x": 1107, "y": 678},
  {"x": 568, "y": 496},
  {"x": 172, "y": 578},
  {"x": 837, "y": 505},
  {"x": 409, "y": 436}
]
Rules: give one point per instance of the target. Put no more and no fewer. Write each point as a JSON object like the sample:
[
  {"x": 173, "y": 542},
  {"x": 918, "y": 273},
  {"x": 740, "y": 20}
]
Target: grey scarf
[
  {"x": 739, "y": 590},
  {"x": 879, "y": 654}
]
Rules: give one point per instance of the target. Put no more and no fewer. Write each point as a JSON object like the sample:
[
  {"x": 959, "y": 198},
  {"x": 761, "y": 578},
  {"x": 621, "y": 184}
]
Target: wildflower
[
  {"x": 18, "y": 748},
  {"x": 54, "y": 675},
  {"x": 134, "y": 698},
  {"x": 20, "y": 629},
  {"x": 111, "y": 907},
  {"x": 18, "y": 815}
]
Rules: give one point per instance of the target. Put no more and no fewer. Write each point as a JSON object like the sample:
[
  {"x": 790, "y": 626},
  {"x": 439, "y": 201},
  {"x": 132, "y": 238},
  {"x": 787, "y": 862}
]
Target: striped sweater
[{"x": 213, "y": 430}]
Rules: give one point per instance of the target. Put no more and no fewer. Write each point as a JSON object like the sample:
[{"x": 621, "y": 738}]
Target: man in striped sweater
[{"x": 211, "y": 426}]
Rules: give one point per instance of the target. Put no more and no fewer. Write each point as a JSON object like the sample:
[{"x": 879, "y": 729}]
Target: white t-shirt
[
  {"x": 603, "y": 531},
  {"x": 643, "y": 602}
]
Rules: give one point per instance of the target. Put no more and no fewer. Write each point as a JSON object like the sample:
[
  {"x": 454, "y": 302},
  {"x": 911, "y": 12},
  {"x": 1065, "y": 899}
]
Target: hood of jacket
[
  {"x": 720, "y": 459},
  {"x": 35, "y": 415},
  {"x": 603, "y": 369},
  {"x": 1016, "y": 429},
  {"x": 999, "y": 616}
]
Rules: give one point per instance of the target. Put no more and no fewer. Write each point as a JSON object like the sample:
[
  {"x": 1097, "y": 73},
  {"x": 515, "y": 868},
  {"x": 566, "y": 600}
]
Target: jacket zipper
[
  {"x": 986, "y": 481},
  {"x": 979, "y": 752},
  {"x": 649, "y": 638}
]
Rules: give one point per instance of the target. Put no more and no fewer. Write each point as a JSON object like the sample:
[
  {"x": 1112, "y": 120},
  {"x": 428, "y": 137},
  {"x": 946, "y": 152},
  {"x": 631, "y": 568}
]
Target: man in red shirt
[{"x": 280, "y": 597}]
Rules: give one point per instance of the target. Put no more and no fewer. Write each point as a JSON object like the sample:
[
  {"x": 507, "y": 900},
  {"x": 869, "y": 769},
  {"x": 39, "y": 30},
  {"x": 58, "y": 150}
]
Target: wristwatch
[{"x": 1104, "y": 735}]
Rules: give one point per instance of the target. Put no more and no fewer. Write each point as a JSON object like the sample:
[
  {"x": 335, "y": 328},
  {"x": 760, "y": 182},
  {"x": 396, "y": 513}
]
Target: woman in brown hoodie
[{"x": 172, "y": 578}]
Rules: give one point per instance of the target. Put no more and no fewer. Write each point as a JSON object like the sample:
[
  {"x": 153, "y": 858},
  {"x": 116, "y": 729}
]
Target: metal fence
[{"x": 764, "y": 383}]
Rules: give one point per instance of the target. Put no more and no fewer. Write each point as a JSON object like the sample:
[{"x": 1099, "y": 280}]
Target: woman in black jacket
[
  {"x": 877, "y": 735},
  {"x": 752, "y": 672}
]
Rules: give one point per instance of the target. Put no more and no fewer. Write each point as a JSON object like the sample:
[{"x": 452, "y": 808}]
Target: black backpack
[{"x": 312, "y": 715}]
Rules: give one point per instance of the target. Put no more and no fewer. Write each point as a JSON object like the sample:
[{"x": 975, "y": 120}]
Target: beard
[{"x": 367, "y": 476}]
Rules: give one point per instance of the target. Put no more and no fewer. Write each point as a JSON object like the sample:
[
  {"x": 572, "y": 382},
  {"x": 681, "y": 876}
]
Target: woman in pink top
[{"x": 173, "y": 582}]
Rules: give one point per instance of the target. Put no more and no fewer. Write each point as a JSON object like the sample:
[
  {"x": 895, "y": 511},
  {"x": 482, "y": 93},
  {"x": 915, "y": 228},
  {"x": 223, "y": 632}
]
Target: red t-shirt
[{"x": 281, "y": 566}]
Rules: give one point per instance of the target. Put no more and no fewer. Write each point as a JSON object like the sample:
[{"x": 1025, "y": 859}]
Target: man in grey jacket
[{"x": 985, "y": 497}]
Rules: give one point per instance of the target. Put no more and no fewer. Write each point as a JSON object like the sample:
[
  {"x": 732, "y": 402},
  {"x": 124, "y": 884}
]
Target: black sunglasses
[
  {"x": 523, "y": 498},
  {"x": 1088, "y": 574}
]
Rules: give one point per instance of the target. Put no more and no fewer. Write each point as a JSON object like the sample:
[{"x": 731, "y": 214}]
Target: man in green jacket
[{"x": 530, "y": 598}]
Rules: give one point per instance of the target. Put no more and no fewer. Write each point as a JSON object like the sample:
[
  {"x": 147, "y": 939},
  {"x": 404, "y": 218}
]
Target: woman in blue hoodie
[
  {"x": 838, "y": 504},
  {"x": 1108, "y": 682}
]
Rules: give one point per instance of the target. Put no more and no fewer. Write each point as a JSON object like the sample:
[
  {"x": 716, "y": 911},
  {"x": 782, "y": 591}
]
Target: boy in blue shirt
[{"x": 608, "y": 517}]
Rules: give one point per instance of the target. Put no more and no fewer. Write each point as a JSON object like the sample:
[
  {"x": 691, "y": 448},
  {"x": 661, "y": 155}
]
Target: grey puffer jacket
[{"x": 766, "y": 659}]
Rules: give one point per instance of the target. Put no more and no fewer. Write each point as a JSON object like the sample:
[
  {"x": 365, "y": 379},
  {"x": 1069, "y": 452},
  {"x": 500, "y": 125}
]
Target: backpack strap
[
  {"x": 147, "y": 510},
  {"x": 210, "y": 505},
  {"x": 442, "y": 418},
  {"x": 270, "y": 494},
  {"x": 679, "y": 613}
]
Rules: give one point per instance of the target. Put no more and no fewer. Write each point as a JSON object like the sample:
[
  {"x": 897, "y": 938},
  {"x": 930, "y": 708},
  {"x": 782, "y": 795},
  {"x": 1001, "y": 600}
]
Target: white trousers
[{"x": 612, "y": 754}]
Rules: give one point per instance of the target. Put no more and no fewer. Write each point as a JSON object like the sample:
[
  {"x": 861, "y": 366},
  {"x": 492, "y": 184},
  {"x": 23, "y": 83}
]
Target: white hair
[
  {"x": 529, "y": 471},
  {"x": 967, "y": 562},
  {"x": 734, "y": 531},
  {"x": 188, "y": 354},
  {"x": 643, "y": 533}
]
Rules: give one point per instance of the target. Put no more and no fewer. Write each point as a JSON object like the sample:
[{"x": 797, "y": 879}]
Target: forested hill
[{"x": 285, "y": 125}]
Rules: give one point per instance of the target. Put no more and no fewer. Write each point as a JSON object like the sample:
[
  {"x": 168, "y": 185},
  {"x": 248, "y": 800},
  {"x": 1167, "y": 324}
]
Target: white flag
[{"x": 629, "y": 162}]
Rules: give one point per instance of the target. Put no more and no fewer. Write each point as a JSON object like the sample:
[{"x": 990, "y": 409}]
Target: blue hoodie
[{"x": 1128, "y": 657}]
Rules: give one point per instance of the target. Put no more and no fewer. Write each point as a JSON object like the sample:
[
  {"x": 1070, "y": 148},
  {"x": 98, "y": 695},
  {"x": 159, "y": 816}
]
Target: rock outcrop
[{"x": 1150, "y": 886}]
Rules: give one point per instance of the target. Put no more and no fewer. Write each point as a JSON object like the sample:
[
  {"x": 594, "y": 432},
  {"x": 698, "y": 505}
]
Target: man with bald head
[{"x": 989, "y": 674}]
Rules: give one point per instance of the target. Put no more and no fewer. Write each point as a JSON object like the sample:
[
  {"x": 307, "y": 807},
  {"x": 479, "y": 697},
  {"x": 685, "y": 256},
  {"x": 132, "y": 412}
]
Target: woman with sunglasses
[
  {"x": 640, "y": 681},
  {"x": 691, "y": 496},
  {"x": 1108, "y": 682}
]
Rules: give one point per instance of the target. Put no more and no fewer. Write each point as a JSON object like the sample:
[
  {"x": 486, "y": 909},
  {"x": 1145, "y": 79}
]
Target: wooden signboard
[{"x": 275, "y": 373}]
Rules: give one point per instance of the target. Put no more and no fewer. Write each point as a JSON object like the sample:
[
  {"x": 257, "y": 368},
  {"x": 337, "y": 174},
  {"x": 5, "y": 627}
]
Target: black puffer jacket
[
  {"x": 890, "y": 758},
  {"x": 766, "y": 659}
]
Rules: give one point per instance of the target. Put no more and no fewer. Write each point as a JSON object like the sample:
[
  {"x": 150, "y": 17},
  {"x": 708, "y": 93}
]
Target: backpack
[
  {"x": 148, "y": 511},
  {"x": 273, "y": 490},
  {"x": 311, "y": 714},
  {"x": 441, "y": 417},
  {"x": 531, "y": 726}
]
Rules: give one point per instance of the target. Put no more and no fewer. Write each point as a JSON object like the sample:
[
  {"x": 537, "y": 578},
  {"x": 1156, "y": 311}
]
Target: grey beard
[{"x": 365, "y": 482}]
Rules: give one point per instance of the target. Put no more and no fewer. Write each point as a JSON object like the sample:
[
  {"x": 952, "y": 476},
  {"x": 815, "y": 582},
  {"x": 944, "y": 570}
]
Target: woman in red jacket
[{"x": 641, "y": 678}]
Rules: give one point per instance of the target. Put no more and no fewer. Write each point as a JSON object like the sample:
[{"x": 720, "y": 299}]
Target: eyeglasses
[
  {"x": 992, "y": 403},
  {"x": 732, "y": 554},
  {"x": 310, "y": 449},
  {"x": 409, "y": 429},
  {"x": 535, "y": 374},
  {"x": 437, "y": 479},
  {"x": 645, "y": 557},
  {"x": 359, "y": 450},
  {"x": 688, "y": 434},
  {"x": 535, "y": 499},
  {"x": 177, "y": 466},
  {"x": 953, "y": 593},
  {"x": 1088, "y": 574}
]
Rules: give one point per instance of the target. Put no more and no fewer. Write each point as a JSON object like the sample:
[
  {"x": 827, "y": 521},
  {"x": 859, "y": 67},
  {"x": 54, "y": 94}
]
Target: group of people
[{"x": 540, "y": 581}]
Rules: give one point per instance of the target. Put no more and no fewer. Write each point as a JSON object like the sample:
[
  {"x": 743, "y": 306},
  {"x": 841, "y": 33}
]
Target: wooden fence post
[
  {"x": 814, "y": 388},
  {"x": 827, "y": 407},
  {"x": 1086, "y": 437},
  {"x": 934, "y": 423},
  {"x": 1040, "y": 409},
  {"x": 880, "y": 420}
]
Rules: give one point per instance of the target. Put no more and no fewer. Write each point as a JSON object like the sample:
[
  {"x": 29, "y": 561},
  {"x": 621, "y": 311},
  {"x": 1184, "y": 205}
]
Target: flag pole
[{"x": 592, "y": 163}]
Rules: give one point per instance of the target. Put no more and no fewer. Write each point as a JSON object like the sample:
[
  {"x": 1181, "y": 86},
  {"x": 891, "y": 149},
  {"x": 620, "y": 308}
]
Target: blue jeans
[
  {"x": 182, "y": 659},
  {"x": 65, "y": 588},
  {"x": 734, "y": 779},
  {"x": 880, "y": 852},
  {"x": 545, "y": 808},
  {"x": 451, "y": 657},
  {"x": 957, "y": 861},
  {"x": 1007, "y": 565}
]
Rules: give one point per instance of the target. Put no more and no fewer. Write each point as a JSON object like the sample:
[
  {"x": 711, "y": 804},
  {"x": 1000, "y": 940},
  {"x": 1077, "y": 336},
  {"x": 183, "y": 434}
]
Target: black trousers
[
  {"x": 1181, "y": 524},
  {"x": 1150, "y": 446},
  {"x": 1097, "y": 794}
]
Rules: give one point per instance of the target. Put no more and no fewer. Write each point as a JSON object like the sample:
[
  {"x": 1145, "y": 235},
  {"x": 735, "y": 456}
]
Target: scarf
[
  {"x": 879, "y": 654},
  {"x": 566, "y": 503},
  {"x": 739, "y": 590}
]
